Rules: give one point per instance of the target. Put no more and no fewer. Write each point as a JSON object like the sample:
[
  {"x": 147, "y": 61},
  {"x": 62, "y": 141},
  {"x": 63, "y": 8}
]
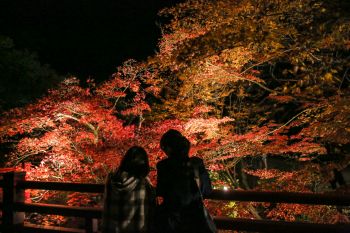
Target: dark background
[{"x": 85, "y": 38}]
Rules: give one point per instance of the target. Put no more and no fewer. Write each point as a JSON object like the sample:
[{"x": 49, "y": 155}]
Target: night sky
[{"x": 81, "y": 37}]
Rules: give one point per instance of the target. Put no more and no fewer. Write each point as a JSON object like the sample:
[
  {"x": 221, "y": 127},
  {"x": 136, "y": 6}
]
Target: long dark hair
[
  {"x": 175, "y": 144},
  {"x": 135, "y": 162}
]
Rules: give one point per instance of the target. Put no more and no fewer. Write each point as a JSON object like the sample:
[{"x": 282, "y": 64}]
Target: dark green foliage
[{"x": 22, "y": 77}]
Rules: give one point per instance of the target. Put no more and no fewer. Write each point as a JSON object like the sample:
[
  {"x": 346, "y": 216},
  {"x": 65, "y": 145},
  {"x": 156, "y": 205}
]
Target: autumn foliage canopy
[{"x": 247, "y": 82}]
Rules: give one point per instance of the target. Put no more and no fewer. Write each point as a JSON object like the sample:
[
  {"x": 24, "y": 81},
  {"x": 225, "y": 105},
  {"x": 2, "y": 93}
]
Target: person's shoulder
[
  {"x": 195, "y": 159},
  {"x": 162, "y": 163}
]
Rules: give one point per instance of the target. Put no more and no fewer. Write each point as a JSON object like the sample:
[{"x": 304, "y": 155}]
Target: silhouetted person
[
  {"x": 338, "y": 179},
  {"x": 182, "y": 202},
  {"x": 129, "y": 198}
]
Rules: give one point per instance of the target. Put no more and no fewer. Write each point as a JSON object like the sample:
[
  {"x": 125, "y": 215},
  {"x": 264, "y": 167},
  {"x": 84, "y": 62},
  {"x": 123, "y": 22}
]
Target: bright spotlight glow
[{"x": 225, "y": 188}]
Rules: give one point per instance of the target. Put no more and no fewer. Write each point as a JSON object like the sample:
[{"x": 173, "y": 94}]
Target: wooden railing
[{"x": 14, "y": 206}]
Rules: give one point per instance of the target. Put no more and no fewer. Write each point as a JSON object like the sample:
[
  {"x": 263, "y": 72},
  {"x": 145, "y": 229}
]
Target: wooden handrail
[
  {"x": 85, "y": 212},
  {"x": 268, "y": 226},
  {"x": 19, "y": 185},
  {"x": 229, "y": 195},
  {"x": 282, "y": 197},
  {"x": 224, "y": 223},
  {"x": 61, "y": 186},
  {"x": 33, "y": 228},
  {"x": 271, "y": 226}
]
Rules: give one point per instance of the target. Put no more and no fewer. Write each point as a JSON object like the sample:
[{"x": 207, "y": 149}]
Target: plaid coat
[{"x": 129, "y": 204}]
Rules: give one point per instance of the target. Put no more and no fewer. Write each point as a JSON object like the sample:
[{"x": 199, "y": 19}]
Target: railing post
[
  {"x": 88, "y": 225},
  {"x": 95, "y": 224},
  {"x": 91, "y": 225},
  {"x": 11, "y": 219}
]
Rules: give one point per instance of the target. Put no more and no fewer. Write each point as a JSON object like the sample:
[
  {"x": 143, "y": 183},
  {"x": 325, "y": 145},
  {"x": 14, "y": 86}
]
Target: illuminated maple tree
[
  {"x": 246, "y": 81},
  {"x": 278, "y": 69}
]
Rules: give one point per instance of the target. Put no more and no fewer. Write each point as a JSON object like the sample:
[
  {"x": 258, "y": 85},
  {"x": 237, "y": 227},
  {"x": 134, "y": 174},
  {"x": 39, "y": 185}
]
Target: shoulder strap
[{"x": 197, "y": 179}]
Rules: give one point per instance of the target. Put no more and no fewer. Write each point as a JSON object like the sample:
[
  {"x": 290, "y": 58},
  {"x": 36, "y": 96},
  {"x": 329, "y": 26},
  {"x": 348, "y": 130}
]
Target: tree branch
[
  {"x": 90, "y": 126},
  {"x": 293, "y": 118},
  {"x": 269, "y": 59}
]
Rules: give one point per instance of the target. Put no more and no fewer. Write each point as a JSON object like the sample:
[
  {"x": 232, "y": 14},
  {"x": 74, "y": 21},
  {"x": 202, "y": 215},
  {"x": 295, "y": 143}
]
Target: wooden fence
[{"x": 14, "y": 208}]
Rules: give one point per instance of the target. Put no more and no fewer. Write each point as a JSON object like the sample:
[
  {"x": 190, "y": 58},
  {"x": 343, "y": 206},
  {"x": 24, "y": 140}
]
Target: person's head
[
  {"x": 135, "y": 162},
  {"x": 174, "y": 144}
]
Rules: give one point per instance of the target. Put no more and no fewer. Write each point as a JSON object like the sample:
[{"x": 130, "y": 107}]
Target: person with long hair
[
  {"x": 182, "y": 207},
  {"x": 129, "y": 198}
]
